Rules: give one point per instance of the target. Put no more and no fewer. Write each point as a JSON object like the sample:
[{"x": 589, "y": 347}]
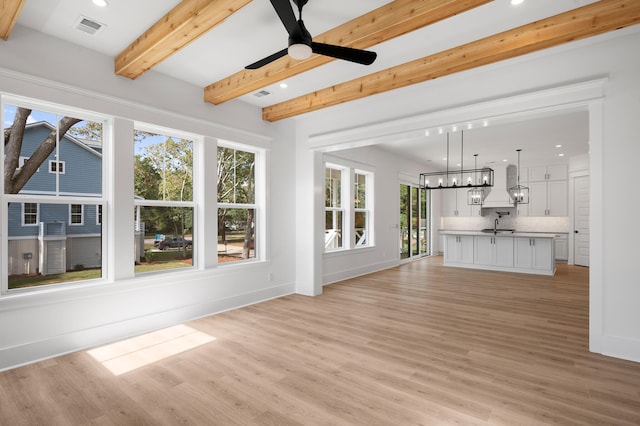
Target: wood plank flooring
[{"x": 419, "y": 344}]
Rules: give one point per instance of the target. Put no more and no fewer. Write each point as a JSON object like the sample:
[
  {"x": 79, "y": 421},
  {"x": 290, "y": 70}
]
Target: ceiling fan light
[{"x": 299, "y": 51}]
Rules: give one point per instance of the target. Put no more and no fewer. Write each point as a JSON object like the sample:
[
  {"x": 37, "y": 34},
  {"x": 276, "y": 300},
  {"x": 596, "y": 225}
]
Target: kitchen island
[{"x": 523, "y": 252}]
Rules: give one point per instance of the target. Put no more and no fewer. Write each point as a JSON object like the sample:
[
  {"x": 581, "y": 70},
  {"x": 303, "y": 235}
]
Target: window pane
[
  {"x": 360, "y": 191},
  {"x": 163, "y": 238},
  {"x": 51, "y": 154},
  {"x": 361, "y": 229},
  {"x": 236, "y": 176},
  {"x": 30, "y": 214},
  {"x": 333, "y": 187},
  {"x": 236, "y": 234},
  {"x": 52, "y": 252},
  {"x": 333, "y": 229},
  {"x": 163, "y": 167}
]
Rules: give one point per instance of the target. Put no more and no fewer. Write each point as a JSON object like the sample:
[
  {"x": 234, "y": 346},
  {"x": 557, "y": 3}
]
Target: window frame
[
  {"x": 57, "y": 165},
  {"x": 337, "y": 210},
  {"x": 256, "y": 206},
  {"x": 138, "y": 202},
  {"x": 37, "y": 217},
  {"x": 368, "y": 190},
  {"x": 57, "y": 197},
  {"x": 72, "y": 214},
  {"x": 349, "y": 171}
]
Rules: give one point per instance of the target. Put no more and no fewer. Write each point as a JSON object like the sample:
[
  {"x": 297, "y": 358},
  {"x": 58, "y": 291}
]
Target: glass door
[{"x": 414, "y": 229}]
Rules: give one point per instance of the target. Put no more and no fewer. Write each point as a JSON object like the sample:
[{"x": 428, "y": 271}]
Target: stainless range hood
[{"x": 504, "y": 177}]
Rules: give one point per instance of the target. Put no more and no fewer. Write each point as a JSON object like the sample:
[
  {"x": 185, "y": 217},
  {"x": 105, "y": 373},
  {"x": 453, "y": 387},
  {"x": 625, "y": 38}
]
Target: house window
[
  {"x": 99, "y": 214},
  {"x": 164, "y": 204},
  {"x": 361, "y": 203},
  {"x": 75, "y": 214},
  {"x": 30, "y": 214},
  {"x": 45, "y": 212},
  {"x": 334, "y": 214},
  {"x": 57, "y": 167},
  {"x": 348, "y": 224},
  {"x": 237, "y": 206}
]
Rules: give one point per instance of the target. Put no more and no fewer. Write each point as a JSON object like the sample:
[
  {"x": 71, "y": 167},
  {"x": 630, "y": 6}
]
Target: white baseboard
[
  {"x": 31, "y": 352},
  {"x": 334, "y": 277}
]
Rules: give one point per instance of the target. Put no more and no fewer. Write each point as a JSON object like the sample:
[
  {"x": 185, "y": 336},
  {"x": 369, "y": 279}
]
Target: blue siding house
[{"x": 53, "y": 238}]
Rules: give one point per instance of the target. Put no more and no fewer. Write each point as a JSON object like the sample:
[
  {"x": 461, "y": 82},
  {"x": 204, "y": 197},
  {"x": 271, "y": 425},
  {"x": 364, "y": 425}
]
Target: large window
[
  {"x": 334, "y": 214},
  {"x": 42, "y": 198},
  {"x": 348, "y": 224},
  {"x": 237, "y": 207},
  {"x": 164, "y": 206}
]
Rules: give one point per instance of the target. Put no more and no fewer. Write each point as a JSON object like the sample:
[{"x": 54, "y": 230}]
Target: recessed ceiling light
[
  {"x": 454, "y": 128},
  {"x": 100, "y": 3},
  {"x": 505, "y": 160},
  {"x": 560, "y": 155},
  {"x": 440, "y": 131},
  {"x": 469, "y": 126},
  {"x": 283, "y": 85},
  {"x": 558, "y": 146},
  {"x": 485, "y": 123},
  {"x": 516, "y": 2},
  {"x": 444, "y": 159},
  {"x": 426, "y": 132}
]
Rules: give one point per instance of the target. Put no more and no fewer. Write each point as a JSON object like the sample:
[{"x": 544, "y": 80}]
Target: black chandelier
[{"x": 454, "y": 179}]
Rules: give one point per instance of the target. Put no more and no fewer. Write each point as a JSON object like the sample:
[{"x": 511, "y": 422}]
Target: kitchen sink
[{"x": 498, "y": 231}]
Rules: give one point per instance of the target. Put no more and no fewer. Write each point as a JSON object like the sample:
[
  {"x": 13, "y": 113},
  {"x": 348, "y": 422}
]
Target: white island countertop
[{"x": 527, "y": 234}]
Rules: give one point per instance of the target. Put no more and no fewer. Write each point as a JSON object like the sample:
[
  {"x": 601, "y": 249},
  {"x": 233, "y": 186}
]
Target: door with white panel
[{"x": 581, "y": 221}]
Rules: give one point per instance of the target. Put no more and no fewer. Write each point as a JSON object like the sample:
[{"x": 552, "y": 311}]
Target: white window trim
[
  {"x": 37, "y": 214},
  {"x": 64, "y": 167},
  {"x": 349, "y": 169},
  {"x": 22, "y": 160},
  {"x": 71, "y": 223},
  {"x": 344, "y": 195},
  {"x": 369, "y": 177},
  {"x": 259, "y": 179}
]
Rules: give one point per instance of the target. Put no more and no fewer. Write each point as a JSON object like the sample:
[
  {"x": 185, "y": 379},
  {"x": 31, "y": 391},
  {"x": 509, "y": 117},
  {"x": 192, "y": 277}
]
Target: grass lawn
[{"x": 22, "y": 281}]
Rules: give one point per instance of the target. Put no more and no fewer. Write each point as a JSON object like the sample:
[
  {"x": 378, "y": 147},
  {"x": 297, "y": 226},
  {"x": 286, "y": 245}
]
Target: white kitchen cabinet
[
  {"x": 458, "y": 249},
  {"x": 454, "y": 203},
  {"x": 547, "y": 173},
  {"x": 548, "y": 198},
  {"x": 561, "y": 243},
  {"x": 493, "y": 251},
  {"x": 534, "y": 253}
]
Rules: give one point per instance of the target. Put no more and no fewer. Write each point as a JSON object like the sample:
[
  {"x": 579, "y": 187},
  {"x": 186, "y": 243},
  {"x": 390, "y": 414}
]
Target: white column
[{"x": 120, "y": 213}]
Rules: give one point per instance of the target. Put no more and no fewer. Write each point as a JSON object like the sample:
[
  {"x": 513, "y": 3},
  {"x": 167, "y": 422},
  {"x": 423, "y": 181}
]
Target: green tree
[{"x": 236, "y": 185}]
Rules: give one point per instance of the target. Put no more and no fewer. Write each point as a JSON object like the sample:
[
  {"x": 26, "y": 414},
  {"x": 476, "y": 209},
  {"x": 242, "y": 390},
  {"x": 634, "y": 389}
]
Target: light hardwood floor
[{"x": 417, "y": 344}]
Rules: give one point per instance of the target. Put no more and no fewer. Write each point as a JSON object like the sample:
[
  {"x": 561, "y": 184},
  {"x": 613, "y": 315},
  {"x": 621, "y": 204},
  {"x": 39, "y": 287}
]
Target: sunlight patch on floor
[{"x": 128, "y": 355}]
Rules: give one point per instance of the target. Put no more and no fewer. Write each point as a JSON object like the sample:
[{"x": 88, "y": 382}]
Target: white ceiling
[{"x": 255, "y": 32}]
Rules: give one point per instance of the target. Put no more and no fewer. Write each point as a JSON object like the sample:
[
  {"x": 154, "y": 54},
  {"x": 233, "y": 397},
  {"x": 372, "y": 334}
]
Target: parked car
[{"x": 178, "y": 242}]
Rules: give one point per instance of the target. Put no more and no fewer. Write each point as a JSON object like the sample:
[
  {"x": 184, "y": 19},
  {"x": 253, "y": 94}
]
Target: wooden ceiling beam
[
  {"x": 391, "y": 20},
  {"x": 9, "y": 13},
  {"x": 184, "y": 23},
  {"x": 593, "y": 19}
]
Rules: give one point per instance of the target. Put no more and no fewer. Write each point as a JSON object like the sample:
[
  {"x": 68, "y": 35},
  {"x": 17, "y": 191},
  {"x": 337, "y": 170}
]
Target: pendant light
[
  {"x": 475, "y": 196},
  {"x": 448, "y": 179},
  {"x": 519, "y": 194}
]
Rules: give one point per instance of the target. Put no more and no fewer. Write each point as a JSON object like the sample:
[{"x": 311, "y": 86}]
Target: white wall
[{"x": 51, "y": 321}]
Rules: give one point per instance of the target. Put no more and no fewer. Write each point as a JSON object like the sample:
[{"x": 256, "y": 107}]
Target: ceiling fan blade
[
  {"x": 285, "y": 12},
  {"x": 262, "y": 62},
  {"x": 364, "y": 57}
]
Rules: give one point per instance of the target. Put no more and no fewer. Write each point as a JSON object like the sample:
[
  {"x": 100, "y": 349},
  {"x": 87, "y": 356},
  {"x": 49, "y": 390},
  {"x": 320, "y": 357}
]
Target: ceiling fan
[{"x": 301, "y": 44}]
